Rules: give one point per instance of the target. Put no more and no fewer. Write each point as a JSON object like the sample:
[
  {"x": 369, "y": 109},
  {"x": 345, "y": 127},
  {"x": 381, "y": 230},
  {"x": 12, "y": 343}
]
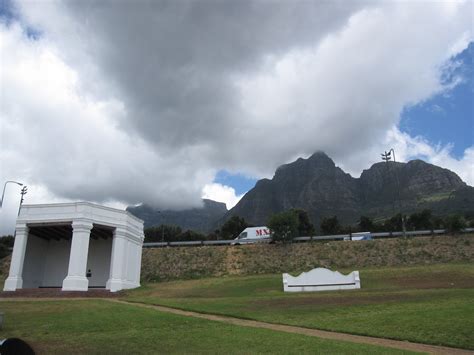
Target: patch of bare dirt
[{"x": 232, "y": 261}]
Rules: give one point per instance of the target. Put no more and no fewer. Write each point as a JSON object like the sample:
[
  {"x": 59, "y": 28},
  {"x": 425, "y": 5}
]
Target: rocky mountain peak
[
  {"x": 318, "y": 186},
  {"x": 319, "y": 161},
  {"x": 321, "y": 188}
]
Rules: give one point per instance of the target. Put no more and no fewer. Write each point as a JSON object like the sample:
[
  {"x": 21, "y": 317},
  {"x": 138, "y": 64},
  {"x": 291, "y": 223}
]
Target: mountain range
[
  {"x": 198, "y": 219},
  {"x": 319, "y": 187}
]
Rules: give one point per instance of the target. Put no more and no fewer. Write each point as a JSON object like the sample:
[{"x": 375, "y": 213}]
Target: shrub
[
  {"x": 421, "y": 220},
  {"x": 163, "y": 232},
  {"x": 330, "y": 225},
  {"x": 305, "y": 227},
  {"x": 191, "y": 235},
  {"x": 6, "y": 245},
  {"x": 233, "y": 227},
  {"x": 455, "y": 223},
  {"x": 366, "y": 224},
  {"x": 284, "y": 226}
]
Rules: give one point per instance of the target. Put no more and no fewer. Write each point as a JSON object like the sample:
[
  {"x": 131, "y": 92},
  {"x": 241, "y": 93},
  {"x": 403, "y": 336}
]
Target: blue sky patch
[
  {"x": 239, "y": 182},
  {"x": 9, "y": 14},
  {"x": 7, "y": 11},
  {"x": 447, "y": 118}
]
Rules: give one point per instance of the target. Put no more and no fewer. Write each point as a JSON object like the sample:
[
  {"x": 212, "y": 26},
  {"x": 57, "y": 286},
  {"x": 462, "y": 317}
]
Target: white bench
[{"x": 321, "y": 279}]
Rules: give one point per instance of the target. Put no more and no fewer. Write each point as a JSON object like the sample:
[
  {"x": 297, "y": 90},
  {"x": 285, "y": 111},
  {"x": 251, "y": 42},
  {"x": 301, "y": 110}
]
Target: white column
[
  {"x": 118, "y": 261},
  {"x": 139, "y": 264},
  {"x": 15, "y": 279},
  {"x": 76, "y": 279}
]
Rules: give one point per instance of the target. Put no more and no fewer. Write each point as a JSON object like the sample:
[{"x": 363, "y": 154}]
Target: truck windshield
[{"x": 243, "y": 235}]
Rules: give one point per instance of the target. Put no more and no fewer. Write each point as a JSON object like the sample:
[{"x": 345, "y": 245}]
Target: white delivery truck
[
  {"x": 253, "y": 235},
  {"x": 361, "y": 236}
]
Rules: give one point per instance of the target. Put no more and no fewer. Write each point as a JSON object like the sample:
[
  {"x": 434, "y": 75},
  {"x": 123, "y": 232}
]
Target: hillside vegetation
[{"x": 196, "y": 262}]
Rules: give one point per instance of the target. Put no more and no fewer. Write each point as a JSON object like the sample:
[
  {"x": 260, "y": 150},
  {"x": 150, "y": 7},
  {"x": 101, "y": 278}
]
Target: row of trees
[
  {"x": 424, "y": 220},
  {"x": 295, "y": 222},
  {"x": 6, "y": 245},
  {"x": 166, "y": 233}
]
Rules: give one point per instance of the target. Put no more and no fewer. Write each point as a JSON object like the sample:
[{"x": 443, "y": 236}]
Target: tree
[
  {"x": 330, "y": 225},
  {"x": 6, "y": 245},
  {"x": 190, "y": 235},
  {"x": 366, "y": 224},
  {"x": 214, "y": 235},
  {"x": 438, "y": 223},
  {"x": 162, "y": 233},
  {"x": 233, "y": 227},
  {"x": 421, "y": 220},
  {"x": 305, "y": 227},
  {"x": 455, "y": 223},
  {"x": 394, "y": 224},
  {"x": 284, "y": 226}
]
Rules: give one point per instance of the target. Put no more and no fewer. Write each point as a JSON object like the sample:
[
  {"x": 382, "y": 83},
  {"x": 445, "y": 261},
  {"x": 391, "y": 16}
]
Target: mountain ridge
[
  {"x": 323, "y": 189},
  {"x": 197, "y": 219},
  {"x": 317, "y": 185}
]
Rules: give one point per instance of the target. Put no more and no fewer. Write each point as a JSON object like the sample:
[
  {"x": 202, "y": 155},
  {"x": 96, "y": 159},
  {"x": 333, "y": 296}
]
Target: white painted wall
[
  {"x": 132, "y": 264},
  {"x": 130, "y": 261},
  {"x": 56, "y": 262},
  {"x": 46, "y": 262},
  {"x": 137, "y": 263},
  {"x": 33, "y": 268},
  {"x": 98, "y": 261}
]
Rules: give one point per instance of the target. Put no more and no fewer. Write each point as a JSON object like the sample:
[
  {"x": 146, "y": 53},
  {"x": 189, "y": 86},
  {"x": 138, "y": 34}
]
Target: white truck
[
  {"x": 360, "y": 236},
  {"x": 253, "y": 235}
]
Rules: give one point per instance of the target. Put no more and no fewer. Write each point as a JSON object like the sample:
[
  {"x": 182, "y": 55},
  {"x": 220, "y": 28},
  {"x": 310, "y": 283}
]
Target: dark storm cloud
[
  {"x": 145, "y": 100},
  {"x": 174, "y": 63}
]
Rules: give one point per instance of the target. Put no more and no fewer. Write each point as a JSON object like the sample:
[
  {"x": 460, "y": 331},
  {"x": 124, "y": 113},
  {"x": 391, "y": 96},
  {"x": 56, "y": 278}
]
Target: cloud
[
  {"x": 55, "y": 137},
  {"x": 407, "y": 148},
  {"x": 144, "y": 101},
  {"x": 418, "y": 147},
  {"x": 437, "y": 109},
  {"x": 221, "y": 193}
]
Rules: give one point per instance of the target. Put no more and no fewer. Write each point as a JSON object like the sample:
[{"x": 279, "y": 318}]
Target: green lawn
[
  {"x": 102, "y": 327},
  {"x": 431, "y": 304}
]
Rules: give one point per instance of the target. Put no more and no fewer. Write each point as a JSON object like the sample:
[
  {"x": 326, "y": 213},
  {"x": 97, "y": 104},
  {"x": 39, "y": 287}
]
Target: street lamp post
[
  {"x": 4, "y": 187},
  {"x": 387, "y": 156},
  {"x": 23, "y": 192}
]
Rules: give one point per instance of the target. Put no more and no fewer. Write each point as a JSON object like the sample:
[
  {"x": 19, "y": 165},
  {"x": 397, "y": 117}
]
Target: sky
[{"x": 165, "y": 103}]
